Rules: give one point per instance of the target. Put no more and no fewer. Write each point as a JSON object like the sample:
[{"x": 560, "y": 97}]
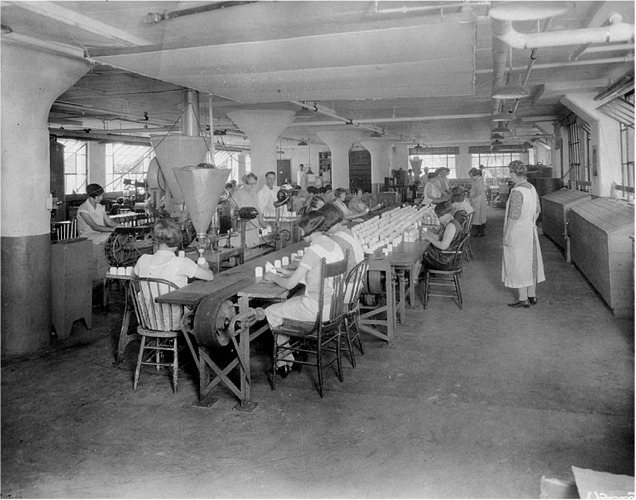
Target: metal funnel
[
  {"x": 201, "y": 188},
  {"x": 176, "y": 151}
]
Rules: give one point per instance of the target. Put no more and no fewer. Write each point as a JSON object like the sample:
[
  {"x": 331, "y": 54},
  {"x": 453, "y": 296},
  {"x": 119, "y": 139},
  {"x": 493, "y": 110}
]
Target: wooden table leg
[
  {"x": 391, "y": 313},
  {"x": 243, "y": 351},
  {"x": 414, "y": 278},
  {"x": 105, "y": 293},
  {"x": 124, "y": 338},
  {"x": 402, "y": 291}
]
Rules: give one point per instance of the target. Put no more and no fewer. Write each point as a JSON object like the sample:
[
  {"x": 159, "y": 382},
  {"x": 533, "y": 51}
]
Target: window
[
  {"x": 627, "y": 155},
  {"x": 496, "y": 163},
  {"x": 579, "y": 153},
  {"x": 228, "y": 159},
  {"x": 434, "y": 158},
  {"x": 75, "y": 165},
  {"x": 126, "y": 162}
]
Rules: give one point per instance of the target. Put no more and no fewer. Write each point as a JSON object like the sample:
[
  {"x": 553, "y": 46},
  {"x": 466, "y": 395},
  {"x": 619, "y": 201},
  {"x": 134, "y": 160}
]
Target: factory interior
[{"x": 190, "y": 114}]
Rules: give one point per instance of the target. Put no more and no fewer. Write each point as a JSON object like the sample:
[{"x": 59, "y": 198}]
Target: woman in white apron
[
  {"x": 477, "y": 198},
  {"x": 522, "y": 265}
]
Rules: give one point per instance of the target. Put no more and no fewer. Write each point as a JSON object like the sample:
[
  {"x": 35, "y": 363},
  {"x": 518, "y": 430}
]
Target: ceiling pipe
[
  {"x": 587, "y": 62},
  {"x": 158, "y": 17},
  {"x": 323, "y": 111},
  {"x": 426, "y": 8},
  {"x": 396, "y": 120},
  {"x": 99, "y": 136},
  {"x": 617, "y": 31}
]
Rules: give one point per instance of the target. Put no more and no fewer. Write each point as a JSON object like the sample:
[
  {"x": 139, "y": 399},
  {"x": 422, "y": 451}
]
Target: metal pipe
[
  {"x": 589, "y": 62},
  {"x": 320, "y": 109},
  {"x": 211, "y": 120},
  {"x": 189, "y": 119},
  {"x": 426, "y": 8},
  {"x": 617, "y": 31},
  {"x": 396, "y": 120}
]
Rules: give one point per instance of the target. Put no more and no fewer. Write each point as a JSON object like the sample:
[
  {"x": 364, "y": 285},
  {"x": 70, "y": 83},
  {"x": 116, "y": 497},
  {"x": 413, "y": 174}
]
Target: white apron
[
  {"x": 522, "y": 264},
  {"x": 478, "y": 201}
]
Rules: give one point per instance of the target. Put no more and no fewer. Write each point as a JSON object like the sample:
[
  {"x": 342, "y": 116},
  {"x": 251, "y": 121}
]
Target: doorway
[{"x": 283, "y": 172}]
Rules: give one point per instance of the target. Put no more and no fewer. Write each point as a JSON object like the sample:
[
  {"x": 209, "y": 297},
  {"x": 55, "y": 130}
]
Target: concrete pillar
[
  {"x": 380, "y": 150},
  {"x": 340, "y": 143},
  {"x": 263, "y": 127},
  {"x": 31, "y": 81},
  {"x": 401, "y": 157},
  {"x": 97, "y": 164},
  {"x": 605, "y": 142}
]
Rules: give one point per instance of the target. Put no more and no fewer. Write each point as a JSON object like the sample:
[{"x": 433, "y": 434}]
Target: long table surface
[
  {"x": 403, "y": 255},
  {"x": 191, "y": 294}
]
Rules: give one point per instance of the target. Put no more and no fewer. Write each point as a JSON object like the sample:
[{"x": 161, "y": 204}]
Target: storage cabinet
[
  {"x": 324, "y": 160},
  {"x": 601, "y": 232},
  {"x": 71, "y": 288},
  {"x": 555, "y": 209},
  {"x": 359, "y": 170}
]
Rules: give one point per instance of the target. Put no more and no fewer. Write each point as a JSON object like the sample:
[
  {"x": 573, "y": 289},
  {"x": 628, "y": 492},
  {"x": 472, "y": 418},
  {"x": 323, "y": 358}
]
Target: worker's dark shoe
[
  {"x": 533, "y": 300},
  {"x": 284, "y": 370},
  {"x": 520, "y": 303}
]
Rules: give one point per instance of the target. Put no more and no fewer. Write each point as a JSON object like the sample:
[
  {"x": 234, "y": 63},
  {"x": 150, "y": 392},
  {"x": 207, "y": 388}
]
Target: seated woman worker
[
  {"x": 304, "y": 307},
  {"x": 448, "y": 238}
]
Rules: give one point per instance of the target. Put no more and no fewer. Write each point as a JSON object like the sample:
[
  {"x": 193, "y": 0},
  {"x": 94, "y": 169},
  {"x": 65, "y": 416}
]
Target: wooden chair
[
  {"x": 159, "y": 326},
  {"x": 446, "y": 283},
  {"x": 316, "y": 337},
  {"x": 353, "y": 290}
]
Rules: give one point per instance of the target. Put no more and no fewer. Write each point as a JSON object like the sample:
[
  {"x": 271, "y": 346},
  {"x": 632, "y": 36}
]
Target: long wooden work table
[{"x": 240, "y": 281}]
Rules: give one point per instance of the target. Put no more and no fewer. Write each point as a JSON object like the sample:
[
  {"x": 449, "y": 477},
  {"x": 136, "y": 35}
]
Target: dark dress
[{"x": 434, "y": 258}]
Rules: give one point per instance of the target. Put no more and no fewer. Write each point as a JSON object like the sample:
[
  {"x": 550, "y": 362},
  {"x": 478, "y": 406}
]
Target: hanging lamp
[
  {"x": 501, "y": 129},
  {"x": 504, "y": 116},
  {"x": 418, "y": 149}
]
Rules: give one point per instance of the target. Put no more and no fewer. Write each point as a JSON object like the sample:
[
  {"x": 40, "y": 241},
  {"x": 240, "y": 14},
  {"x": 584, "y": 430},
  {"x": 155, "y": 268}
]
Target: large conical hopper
[
  {"x": 176, "y": 151},
  {"x": 201, "y": 188}
]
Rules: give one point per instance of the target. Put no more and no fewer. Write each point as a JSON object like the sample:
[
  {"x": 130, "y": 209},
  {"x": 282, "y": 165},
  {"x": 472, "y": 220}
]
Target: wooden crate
[
  {"x": 556, "y": 209},
  {"x": 601, "y": 232}
]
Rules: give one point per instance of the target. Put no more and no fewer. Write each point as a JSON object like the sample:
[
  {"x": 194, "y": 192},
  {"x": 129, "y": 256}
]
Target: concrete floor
[{"x": 478, "y": 403}]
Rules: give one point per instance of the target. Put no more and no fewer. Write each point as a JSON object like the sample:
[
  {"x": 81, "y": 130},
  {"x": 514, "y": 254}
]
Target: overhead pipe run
[
  {"x": 327, "y": 112},
  {"x": 617, "y": 31}
]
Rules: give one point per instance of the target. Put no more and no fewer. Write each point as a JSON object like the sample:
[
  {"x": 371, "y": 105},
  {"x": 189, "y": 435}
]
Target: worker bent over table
[{"x": 304, "y": 307}]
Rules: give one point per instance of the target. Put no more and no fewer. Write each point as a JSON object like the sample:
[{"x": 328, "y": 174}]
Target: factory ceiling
[{"x": 415, "y": 71}]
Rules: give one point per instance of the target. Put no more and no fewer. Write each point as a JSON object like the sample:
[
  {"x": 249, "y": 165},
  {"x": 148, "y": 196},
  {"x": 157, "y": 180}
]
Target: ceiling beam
[{"x": 56, "y": 12}]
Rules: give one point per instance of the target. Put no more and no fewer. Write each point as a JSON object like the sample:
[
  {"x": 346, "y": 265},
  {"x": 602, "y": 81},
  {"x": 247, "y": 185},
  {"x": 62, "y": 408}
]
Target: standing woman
[
  {"x": 432, "y": 190},
  {"x": 477, "y": 198},
  {"x": 522, "y": 265}
]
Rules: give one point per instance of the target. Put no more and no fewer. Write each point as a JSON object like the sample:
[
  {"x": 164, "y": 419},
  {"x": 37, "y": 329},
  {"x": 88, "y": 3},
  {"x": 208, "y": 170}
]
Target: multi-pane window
[
  {"x": 496, "y": 163},
  {"x": 75, "y": 165},
  {"x": 434, "y": 158},
  {"x": 126, "y": 162},
  {"x": 579, "y": 153}
]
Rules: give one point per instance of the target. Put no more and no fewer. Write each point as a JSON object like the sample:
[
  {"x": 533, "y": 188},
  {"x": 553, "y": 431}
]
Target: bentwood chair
[
  {"x": 159, "y": 326},
  {"x": 315, "y": 338},
  {"x": 446, "y": 283},
  {"x": 353, "y": 290}
]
